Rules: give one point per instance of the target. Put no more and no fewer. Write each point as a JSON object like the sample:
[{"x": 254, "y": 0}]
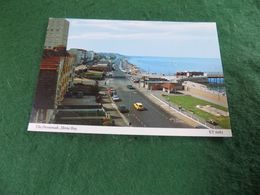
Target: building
[
  {"x": 79, "y": 53},
  {"x": 81, "y": 68},
  {"x": 43, "y": 106},
  {"x": 85, "y": 81},
  {"x": 55, "y": 77},
  {"x": 90, "y": 56},
  {"x": 83, "y": 111},
  {"x": 82, "y": 56},
  {"x": 172, "y": 87},
  {"x": 167, "y": 86},
  {"x": 189, "y": 74},
  {"x": 102, "y": 67},
  {"x": 65, "y": 77},
  {"x": 57, "y": 33}
]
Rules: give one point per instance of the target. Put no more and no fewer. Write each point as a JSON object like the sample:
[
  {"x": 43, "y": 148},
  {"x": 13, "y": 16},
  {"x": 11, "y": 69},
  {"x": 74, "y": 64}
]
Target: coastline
[
  {"x": 136, "y": 71},
  {"x": 171, "y": 65}
]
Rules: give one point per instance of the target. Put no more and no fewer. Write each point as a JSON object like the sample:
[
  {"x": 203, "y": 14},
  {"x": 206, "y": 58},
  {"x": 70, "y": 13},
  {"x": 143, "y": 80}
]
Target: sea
[{"x": 171, "y": 65}]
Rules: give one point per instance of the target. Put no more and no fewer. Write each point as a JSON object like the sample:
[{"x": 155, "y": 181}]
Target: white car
[{"x": 115, "y": 97}]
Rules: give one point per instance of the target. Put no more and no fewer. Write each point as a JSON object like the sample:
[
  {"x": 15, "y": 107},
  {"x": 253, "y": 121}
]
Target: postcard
[{"x": 131, "y": 78}]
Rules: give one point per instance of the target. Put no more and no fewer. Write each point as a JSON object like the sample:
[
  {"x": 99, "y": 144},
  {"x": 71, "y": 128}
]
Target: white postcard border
[{"x": 87, "y": 129}]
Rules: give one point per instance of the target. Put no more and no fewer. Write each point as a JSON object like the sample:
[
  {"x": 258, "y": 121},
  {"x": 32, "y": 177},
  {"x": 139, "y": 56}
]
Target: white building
[
  {"x": 90, "y": 55},
  {"x": 57, "y": 33},
  {"x": 79, "y": 53}
]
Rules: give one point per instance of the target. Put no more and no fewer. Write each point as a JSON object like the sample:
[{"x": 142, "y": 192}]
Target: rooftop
[{"x": 50, "y": 63}]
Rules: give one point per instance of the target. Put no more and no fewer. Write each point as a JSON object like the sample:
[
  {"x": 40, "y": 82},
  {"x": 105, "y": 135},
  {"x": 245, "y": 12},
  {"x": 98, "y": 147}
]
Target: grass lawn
[{"x": 189, "y": 103}]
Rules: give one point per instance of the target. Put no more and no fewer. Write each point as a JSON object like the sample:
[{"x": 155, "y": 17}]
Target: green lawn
[{"x": 189, "y": 103}]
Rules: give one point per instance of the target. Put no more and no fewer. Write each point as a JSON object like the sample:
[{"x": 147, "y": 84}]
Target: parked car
[
  {"x": 115, "y": 97},
  {"x": 109, "y": 74},
  {"x": 130, "y": 87},
  {"x": 111, "y": 91},
  {"x": 123, "y": 109},
  {"x": 211, "y": 121},
  {"x": 138, "y": 106}
]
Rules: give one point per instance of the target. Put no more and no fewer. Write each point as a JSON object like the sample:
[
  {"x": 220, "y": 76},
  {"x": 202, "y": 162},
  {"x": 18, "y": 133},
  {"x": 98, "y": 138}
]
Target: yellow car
[{"x": 138, "y": 106}]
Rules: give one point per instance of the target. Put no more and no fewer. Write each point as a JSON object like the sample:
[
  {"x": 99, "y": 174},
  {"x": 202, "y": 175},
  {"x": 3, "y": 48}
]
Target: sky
[{"x": 145, "y": 38}]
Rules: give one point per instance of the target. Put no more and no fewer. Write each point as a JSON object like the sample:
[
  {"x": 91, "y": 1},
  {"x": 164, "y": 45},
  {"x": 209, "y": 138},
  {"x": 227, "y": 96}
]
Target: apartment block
[{"x": 57, "y": 33}]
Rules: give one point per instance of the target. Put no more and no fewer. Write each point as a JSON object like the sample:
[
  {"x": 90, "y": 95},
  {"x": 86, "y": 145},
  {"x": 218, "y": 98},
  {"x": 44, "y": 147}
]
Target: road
[{"x": 152, "y": 116}]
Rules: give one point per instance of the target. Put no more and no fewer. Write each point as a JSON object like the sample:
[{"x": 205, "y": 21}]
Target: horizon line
[{"x": 127, "y": 55}]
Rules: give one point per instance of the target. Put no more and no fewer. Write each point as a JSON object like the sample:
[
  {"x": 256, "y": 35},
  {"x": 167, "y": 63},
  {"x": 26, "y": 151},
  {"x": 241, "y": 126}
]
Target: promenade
[{"x": 187, "y": 117}]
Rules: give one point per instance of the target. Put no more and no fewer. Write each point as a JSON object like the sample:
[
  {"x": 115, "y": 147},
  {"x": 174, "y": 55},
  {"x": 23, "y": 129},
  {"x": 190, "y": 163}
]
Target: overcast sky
[{"x": 145, "y": 38}]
